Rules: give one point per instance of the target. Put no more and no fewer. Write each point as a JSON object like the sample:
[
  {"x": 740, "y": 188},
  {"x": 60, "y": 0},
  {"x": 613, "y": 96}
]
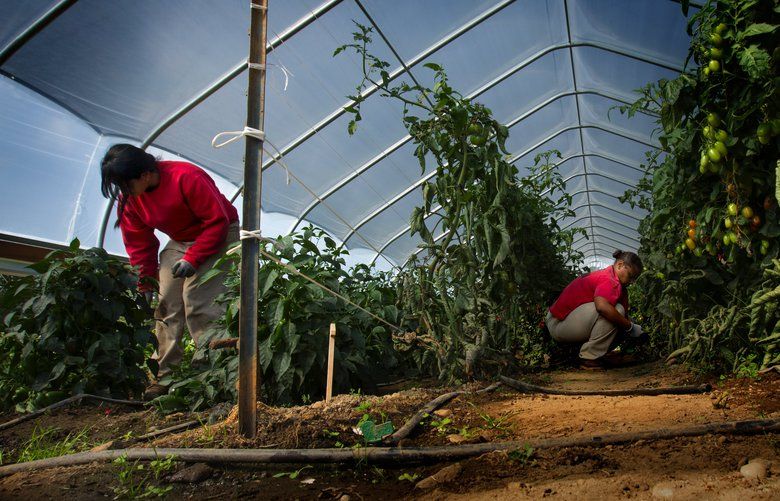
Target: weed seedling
[
  {"x": 134, "y": 478},
  {"x": 411, "y": 477},
  {"x": 292, "y": 475},
  {"x": 441, "y": 425},
  {"x": 41, "y": 444},
  {"x": 523, "y": 456}
]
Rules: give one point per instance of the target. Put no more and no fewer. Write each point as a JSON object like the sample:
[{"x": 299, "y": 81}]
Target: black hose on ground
[
  {"x": 431, "y": 406},
  {"x": 67, "y": 401},
  {"x": 387, "y": 454}
]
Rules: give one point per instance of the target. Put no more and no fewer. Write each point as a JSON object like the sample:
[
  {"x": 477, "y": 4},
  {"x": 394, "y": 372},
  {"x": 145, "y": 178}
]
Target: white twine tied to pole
[{"x": 287, "y": 73}]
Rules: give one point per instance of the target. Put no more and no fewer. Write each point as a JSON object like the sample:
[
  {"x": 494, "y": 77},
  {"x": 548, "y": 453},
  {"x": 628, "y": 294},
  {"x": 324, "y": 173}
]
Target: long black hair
[
  {"x": 630, "y": 259},
  {"x": 121, "y": 163}
]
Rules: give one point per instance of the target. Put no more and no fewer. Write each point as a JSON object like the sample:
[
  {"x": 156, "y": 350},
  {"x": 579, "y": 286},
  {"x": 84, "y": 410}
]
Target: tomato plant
[
  {"x": 717, "y": 115},
  {"x": 496, "y": 257}
]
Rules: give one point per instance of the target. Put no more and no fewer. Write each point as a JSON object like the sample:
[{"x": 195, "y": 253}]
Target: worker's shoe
[
  {"x": 596, "y": 364},
  {"x": 617, "y": 359},
  {"x": 155, "y": 390}
]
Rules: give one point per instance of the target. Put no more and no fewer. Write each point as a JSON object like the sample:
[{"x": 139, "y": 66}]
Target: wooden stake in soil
[
  {"x": 331, "y": 351},
  {"x": 250, "y": 253}
]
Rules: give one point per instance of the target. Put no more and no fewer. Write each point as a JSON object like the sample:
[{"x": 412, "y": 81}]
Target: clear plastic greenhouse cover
[{"x": 80, "y": 76}]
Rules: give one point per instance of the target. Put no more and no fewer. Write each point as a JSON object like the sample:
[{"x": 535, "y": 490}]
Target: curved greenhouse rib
[
  {"x": 36, "y": 27},
  {"x": 404, "y": 140},
  {"x": 610, "y": 220},
  {"x": 616, "y": 211},
  {"x": 618, "y": 242},
  {"x": 430, "y": 175},
  {"x": 238, "y": 69},
  {"x": 214, "y": 87}
]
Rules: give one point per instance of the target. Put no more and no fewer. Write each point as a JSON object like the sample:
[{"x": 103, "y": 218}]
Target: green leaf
[
  {"x": 757, "y": 29},
  {"x": 755, "y": 62},
  {"x": 75, "y": 244},
  {"x": 433, "y": 66}
]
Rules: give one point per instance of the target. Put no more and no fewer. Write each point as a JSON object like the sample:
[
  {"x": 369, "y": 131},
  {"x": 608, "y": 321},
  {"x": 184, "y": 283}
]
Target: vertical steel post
[{"x": 247, "y": 329}]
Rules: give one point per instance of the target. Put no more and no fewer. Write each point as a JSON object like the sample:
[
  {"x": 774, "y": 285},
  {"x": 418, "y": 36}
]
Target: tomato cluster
[{"x": 715, "y": 51}]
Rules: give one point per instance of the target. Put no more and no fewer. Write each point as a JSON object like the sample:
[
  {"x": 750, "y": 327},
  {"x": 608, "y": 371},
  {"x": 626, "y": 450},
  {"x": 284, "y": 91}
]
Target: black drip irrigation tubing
[
  {"x": 67, "y": 401},
  {"x": 669, "y": 390},
  {"x": 385, "y": 454}
]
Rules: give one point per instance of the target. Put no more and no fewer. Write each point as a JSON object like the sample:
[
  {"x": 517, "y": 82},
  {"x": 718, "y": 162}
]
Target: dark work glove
[
  {"x": 182, "y": 269},
  {"x": 148, "y": 295}
]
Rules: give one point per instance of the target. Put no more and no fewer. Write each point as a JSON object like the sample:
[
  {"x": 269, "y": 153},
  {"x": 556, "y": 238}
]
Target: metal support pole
[{"x": 247, "y": 327}]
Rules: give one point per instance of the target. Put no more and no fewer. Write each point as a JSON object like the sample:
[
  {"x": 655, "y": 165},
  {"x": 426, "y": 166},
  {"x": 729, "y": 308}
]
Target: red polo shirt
[
  {"x": 584, "y": 289},
  {"x": 187, "y": 206}
]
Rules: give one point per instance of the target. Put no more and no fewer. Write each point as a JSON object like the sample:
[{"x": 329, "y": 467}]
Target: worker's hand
[
  {"x": 182, "y": 269},
  {"x": 635, "y": 331}
]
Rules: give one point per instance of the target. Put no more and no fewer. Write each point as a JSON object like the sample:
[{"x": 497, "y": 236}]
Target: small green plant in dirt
[
  {"x": 442, "y": 426},
  {"x": 410, "y": 477},
  {"x": 491, "y": 423},
  {"x": 292, "y": 475},
  {"x": 43, "y": 443},
  {"x": 138, "y": 481},
  {"x": 77, "y": 326},
  {"x": 522, "y": 456},
  {"x": 747, "y": 367}
]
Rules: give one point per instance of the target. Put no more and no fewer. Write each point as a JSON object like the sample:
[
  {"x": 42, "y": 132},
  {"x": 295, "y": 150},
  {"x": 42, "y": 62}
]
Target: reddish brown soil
[{"x": 686, "y": 468}]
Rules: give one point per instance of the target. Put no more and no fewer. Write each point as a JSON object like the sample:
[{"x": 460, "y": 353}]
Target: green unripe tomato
[
  {"x": 726, "y": 239},
  {"x": 475, "y": 129},
  {"x": 706, "y": 72},
  {"x": 715, "y": 168},
  {"x": 478, "y": 140},
  {"x": 716, "y": 53},
  {"x": 714, "y": 156},
  {"x": 703, "y": 169},
  {"x": 721, "y": 28},
  {"x": 763, "y": 139},
  {"x": 713, "y": 119},
  {"x": 710, "y": 248},
  {"x": 733, "y": 237},
  {"x": 689, "y": 242},
  {"x": 721, "y": 148},
  {"x": 698, "y": 252},
  {"x": 708, "y": 132},
  {"x": 732, "y": 209},
  {"x": 716, "y": 39},
  {"x": 728, "y": 223},
  {"x": 722, "y": 135},
  {"x": 764, "y": 129},
  {"x": 747, "y": 212},
  {"x": 714, "y": 65},
  {"x": 704, "y": 161}
]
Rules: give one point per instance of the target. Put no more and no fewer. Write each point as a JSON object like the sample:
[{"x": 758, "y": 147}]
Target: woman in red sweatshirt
[
  {"x": 182, "y": 201},
  {"x": 593, "y": 310}
]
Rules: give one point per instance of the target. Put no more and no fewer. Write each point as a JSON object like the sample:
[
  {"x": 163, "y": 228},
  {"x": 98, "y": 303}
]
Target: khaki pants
[
  {"x": 585, "y": 325},
  {"x": 182, "y": 301}
]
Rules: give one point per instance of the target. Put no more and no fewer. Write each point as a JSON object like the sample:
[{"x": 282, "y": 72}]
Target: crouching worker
[
  {"x": 182, "y": 201},
  {"x": 592, "y": 310}
]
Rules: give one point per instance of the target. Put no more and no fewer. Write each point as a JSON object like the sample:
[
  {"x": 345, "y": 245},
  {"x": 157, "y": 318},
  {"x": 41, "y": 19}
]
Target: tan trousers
[
  {"x": 585, "y": 325},
  {"x": 182, "y": 301}
]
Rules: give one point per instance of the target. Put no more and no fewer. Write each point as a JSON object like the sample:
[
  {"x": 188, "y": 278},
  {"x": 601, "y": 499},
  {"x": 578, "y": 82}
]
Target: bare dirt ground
[{"x": 704, "y": 467}]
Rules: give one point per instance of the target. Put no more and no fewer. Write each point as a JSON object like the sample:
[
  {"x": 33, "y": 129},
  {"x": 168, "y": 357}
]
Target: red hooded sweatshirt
[{"x": 186, "y": 206}]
